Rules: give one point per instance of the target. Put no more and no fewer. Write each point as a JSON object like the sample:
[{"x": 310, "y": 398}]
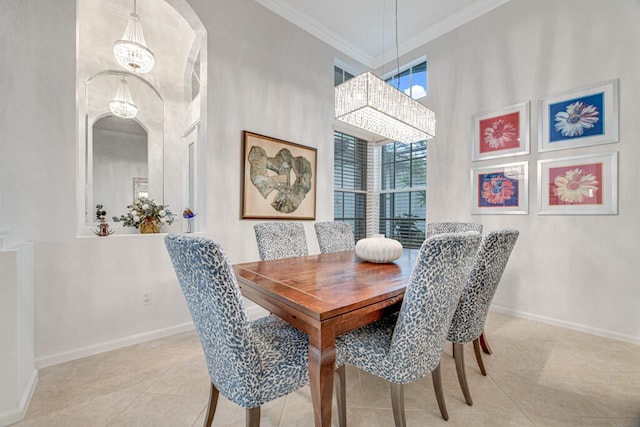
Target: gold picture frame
[{"x": 279, "y": 179}]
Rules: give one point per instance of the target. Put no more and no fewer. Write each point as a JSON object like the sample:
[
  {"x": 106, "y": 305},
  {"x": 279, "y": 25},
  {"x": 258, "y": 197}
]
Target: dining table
[{"x": 326, "y": 295}]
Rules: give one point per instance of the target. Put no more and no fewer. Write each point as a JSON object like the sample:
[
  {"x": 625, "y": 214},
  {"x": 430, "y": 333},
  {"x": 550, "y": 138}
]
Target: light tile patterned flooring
[{"x": 538, "y": 375}]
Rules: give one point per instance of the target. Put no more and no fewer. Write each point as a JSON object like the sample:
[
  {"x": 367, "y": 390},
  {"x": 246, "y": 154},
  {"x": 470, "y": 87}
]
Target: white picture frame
[
  {"x": 501, "y": 133},
  {"x": 579, "y": 118},
  {"x": 500, "y": 189},
  {"x": 578, "y": 185}
]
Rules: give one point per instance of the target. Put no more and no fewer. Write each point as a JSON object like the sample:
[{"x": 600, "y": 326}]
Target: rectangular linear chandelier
[{"x": 371, "y": 104}]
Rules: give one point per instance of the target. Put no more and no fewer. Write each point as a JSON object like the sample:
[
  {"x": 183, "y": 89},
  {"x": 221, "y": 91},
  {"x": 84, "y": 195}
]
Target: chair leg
[
  {"x": 253, "y": 417},
  {"x": 476, "y": 349},
  {"x": 437, "y": 387},
  {"x": 458, "y": 355},
  {"x": 211, "y": 408},
  {"x": 485, "y": 344},
  {"x": 341, "y": 395},
  {"x": 397, "y": 403}
]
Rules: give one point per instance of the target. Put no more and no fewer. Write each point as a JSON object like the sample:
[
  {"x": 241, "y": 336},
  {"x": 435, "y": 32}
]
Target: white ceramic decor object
[{"x": 378, "y": 249}]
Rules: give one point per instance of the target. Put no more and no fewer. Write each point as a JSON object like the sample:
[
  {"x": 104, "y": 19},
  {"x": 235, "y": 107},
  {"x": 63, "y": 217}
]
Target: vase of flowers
[
  {"x": 189, "y": 215},
  {"x": 147, "y": 216}
]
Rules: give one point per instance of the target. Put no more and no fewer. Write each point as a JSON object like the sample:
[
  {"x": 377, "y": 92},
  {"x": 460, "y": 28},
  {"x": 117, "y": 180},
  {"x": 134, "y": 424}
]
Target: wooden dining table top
[{"x": 327, "y": 285}]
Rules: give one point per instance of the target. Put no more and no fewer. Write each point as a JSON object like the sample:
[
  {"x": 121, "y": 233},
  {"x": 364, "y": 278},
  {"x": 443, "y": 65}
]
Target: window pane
[
  {"x": 338, "y": 205},
  {"x": 388, "y": 179},
  {"x": 388, "y": 151},
  {"x": 385, "y": 227},
  {"x": 337, "y": 76},
  {"x": 350, "y": 174},
  {"x": 403, "y": 151},
  {"x": 401, "y": 204},
  {"x": 419, "y": 81},
  {"x": 405, "y": 82},
  {"x": 418, "y": 204},
  {"x": 393, "y": 81},
  {"x": 418, "y": 173},
  {"x": 403, "y": 174},
  {"x": 386, "y": 200},
  {"x": 349, "y": 205},
  {"x": 419, "y": 149}
]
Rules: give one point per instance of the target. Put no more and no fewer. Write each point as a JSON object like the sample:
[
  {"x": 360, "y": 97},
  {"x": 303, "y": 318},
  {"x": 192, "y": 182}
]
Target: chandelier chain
[{"x": 397, "y": 52}]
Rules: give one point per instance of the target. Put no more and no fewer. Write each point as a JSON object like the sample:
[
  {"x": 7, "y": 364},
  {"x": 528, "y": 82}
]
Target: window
[
  {"x": 402, "y": 188},
  {"x": 403, "y": 192},
  {"x": 394, "y": 175},
  {"x": 350, "y": 182},
  {"x": 412, "y": 81},
  {"x": 340, "y": 75}
]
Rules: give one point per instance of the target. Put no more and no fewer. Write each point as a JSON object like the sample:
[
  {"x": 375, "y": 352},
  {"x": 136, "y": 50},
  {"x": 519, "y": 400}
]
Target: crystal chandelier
[
  {"x": 122, "y": 105},
  {"x": 131, "y": 51},
  {"x": 371, "y": 104}
]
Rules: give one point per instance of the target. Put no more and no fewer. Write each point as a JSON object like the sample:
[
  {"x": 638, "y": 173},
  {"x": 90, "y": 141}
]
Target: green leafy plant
[
  {"x": 146, "y": 209},
  {"x": 406, "y": 231}
]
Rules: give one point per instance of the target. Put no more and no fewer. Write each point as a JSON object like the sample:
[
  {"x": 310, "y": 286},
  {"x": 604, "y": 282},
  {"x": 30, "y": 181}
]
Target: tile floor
[{"x": 538, "y": 375}]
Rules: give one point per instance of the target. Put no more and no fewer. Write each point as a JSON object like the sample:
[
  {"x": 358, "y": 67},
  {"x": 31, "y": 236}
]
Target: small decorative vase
[
  {"x": 103, "y": 229},
  {"x": 149, "y": 225},
  {"x": 378, "y": 249}
]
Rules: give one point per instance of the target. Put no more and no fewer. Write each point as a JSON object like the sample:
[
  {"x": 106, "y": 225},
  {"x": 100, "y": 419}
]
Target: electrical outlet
[{"x": 146, "y": 297}]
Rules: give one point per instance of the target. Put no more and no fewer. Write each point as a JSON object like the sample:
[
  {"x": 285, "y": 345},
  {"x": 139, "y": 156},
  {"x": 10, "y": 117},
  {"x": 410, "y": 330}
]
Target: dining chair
[
  {"x": 434, "y": 228},
  {"x": 407, "y": 347},
  {"x": 278, "y": 240},
  {"x": 468, "y": 320},
  {"x": 334, "y": 236},
  {"x": 250, "y": 363}
]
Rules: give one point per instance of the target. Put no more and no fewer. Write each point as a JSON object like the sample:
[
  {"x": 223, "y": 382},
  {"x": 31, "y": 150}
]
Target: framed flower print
[
  {"x": 579, "y": 185},
  {"x": 579, "y": 118},
  {"x": 500, "y": 189},
  {"x": 501, "y": 133}
]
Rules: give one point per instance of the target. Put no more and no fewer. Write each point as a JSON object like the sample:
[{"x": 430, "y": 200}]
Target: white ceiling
[{"x": 365, "y": 29}]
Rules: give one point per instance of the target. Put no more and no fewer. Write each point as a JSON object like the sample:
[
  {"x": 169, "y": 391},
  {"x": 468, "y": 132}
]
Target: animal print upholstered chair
[
  {"x": 407, "y": 347},
  {"x": 250, "y": 363},
  {"x": 434, "y": 228},
  {"x": 468, "y": 321},
  {"x": 334, "y": 236},
  {"x": 278, "y": 240}
]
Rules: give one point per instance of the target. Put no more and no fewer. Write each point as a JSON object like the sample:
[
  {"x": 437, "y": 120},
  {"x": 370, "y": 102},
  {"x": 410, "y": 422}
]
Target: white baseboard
[
  {"x": 18, "y": 414},
  {"x": 55, "y": 359},
  {"x": 569, "y": 325}
]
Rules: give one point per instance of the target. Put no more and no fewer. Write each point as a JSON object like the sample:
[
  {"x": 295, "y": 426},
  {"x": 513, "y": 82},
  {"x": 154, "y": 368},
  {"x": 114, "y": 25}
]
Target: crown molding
[
  {"x": 313, "y": 27},
  {"x": 445, "y": 26},
  {"x": 318, "y": 30}
]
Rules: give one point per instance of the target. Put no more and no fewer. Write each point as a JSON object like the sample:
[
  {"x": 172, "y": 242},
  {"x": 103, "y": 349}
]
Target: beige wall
[{"x": 579, "y": 271}]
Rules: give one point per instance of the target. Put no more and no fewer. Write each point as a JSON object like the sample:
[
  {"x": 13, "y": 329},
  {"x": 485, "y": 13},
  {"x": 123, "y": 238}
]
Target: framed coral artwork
[
  {"x": 279, "y": 178},
  {"x": 579, "y": 118},
  {"x": 501, "y": 133},
  {"x": 579, "y": 185},
  {"x": 500, "y": 189}
]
